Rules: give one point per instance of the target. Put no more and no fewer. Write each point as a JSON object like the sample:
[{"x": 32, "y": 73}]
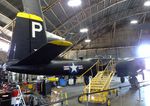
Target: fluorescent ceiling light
[
  {"x": 74, "y": 3},
  {"x": 84, "y": 30},
  {"x": 147, "y": 3},
  {"x": 133, "y": 21},
  {"x": 87, "y": 40}
]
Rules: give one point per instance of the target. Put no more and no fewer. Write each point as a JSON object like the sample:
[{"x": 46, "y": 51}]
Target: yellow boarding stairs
[{"x": 99, "y": 83}]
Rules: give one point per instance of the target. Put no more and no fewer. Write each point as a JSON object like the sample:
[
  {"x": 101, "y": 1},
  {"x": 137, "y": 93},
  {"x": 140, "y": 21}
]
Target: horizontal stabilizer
[{"x": 46, "y": 53}]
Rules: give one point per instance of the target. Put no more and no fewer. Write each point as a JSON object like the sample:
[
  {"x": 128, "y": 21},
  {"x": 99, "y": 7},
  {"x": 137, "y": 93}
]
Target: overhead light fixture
[
  {"x": 133, "y": 21},
  {"x": 87, "y": 40},
  {"x": 147, "y": 3},
  {"x": 74, "y": 3},
  {"x": 84, "y": 30}
]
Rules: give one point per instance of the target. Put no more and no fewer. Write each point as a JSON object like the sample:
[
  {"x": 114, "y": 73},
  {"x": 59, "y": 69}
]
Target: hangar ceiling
[{"x": 108, "y": 21}]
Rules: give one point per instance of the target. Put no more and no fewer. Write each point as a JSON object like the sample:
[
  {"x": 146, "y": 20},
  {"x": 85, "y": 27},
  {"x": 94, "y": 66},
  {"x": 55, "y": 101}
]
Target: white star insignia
[{"x": 74, "y": 68}]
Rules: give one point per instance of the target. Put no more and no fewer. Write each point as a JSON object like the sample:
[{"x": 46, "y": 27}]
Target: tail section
[
  {"x": 29, "y": 44},
  {"x": 28, "y": 36}
]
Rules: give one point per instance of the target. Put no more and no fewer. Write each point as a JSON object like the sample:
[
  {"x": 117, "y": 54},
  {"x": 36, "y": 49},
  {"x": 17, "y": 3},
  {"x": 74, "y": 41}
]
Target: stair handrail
[
  {"x": 97, "y": 62},
  {"x": 110, "y": 63}
]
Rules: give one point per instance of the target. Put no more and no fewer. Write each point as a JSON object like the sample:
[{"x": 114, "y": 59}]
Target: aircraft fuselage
[{"x": 55, "y": 67}]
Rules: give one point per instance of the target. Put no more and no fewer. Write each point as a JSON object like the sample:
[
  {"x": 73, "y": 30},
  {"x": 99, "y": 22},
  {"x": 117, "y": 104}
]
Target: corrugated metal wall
[{"x": 120, "y": 52}]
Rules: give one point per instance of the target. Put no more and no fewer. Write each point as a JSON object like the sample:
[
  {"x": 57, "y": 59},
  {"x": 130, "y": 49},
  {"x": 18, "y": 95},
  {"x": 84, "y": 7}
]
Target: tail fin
[{"x": 28, "y": 35}]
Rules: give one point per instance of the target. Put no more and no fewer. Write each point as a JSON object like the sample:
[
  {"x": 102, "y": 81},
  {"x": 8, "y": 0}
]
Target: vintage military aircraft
[{"x": 30, "y": 53}]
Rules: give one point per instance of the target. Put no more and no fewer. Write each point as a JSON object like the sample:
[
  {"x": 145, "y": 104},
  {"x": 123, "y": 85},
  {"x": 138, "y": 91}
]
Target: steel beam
[
  {"x": 94, "y": 15},
  {"x": 50, "y": 6},
  {"x": 4, "y": 19},
  {"x": 116, "y": 20},
  {"x": 10, "y": 6}
]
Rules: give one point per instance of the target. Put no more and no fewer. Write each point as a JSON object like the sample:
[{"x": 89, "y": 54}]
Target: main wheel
[
  {"x": 134, "y": 82},
  {"x": 86, "y": 80},
  {"x": 122, "y": 79}
]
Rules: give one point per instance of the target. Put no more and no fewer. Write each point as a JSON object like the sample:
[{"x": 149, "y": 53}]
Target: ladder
[{"x": 99, "y": 83}]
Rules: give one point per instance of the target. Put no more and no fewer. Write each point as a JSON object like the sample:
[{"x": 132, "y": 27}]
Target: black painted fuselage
[{"x": 56, "y": 67}]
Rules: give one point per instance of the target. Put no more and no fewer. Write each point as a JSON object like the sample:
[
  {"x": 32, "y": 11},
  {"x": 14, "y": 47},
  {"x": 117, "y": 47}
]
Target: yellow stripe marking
[
  {"x": 61, "y": 42},
  {"x": 29, "y": 16}
]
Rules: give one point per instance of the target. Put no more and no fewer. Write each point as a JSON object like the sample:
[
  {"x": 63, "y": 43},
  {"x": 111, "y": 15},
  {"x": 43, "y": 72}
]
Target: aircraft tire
[
  {"x": 122, "y": 79},
  {"x": 134, "y": 82},
  {"x": 86, "y": 80}
]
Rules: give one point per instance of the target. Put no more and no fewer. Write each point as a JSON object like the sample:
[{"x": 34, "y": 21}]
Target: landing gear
[
  {"x": 122, "y": 79},
  {"x": 134, "y": 82},
  {"x": 86, "y": 80}
]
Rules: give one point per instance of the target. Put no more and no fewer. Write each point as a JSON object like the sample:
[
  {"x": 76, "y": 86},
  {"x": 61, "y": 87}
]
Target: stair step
[{"x": 101, "y": 81}]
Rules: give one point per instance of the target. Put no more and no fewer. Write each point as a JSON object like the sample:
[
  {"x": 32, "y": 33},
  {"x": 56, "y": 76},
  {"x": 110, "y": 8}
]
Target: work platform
[{"x": 99, "y": 83}]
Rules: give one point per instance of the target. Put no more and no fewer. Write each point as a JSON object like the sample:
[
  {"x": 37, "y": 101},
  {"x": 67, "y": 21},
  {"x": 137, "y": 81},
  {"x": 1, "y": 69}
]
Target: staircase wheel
[{"x": 108, "y": 103}]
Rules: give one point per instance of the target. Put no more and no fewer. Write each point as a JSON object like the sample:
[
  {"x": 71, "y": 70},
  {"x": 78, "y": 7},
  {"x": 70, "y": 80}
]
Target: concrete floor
[{"x": 126, "y": 97}]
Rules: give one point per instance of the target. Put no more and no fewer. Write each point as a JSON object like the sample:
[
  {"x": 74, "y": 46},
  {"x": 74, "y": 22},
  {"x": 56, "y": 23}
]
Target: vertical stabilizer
[{"x": 28, "y": 36}]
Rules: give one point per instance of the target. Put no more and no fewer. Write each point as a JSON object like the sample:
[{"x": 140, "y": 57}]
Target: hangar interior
[{"x": 108, "y": 30}]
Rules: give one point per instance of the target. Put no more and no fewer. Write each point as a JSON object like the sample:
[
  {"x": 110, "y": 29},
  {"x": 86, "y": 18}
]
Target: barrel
[{"x": 62, "y": 82}]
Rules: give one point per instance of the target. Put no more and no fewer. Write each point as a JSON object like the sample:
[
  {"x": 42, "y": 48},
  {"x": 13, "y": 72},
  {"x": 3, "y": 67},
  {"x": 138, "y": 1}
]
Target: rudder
[{"x": 28, "y": 35}]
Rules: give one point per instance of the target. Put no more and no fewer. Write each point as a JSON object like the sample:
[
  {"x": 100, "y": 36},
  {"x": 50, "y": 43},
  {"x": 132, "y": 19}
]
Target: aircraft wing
[{"x": 46, "y": 53}]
